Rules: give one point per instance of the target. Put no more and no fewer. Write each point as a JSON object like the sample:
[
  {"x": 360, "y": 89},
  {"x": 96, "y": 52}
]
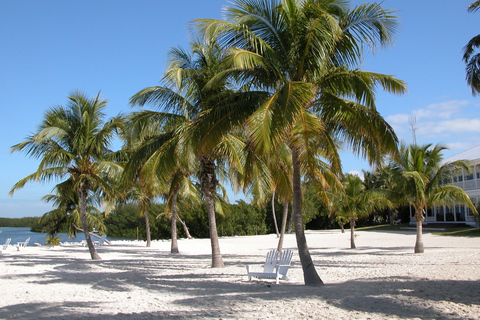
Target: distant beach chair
[
  {"x": 273, "y": 269},
  {"x": 7, "y": 243},
  {"x": 23, "y": 244},
  {"x": 101, "y": 241}
]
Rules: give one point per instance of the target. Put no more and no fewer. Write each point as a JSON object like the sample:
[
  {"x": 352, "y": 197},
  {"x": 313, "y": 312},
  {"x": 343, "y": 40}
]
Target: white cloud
[{"x": 455, "y": 123}]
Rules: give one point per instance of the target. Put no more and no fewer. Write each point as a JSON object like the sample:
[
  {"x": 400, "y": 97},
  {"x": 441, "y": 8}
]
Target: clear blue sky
[{"x": 50, "y": 48}]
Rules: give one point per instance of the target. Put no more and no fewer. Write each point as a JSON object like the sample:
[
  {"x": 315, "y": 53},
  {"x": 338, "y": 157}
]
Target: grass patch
[
  {"x": 385, "y": 227},
  {"x": 455, "y": 232},
  {"x": 459, "y": 232}
]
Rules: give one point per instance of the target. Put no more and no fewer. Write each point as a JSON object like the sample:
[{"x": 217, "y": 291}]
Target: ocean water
[{"x": 21, "y": 234}]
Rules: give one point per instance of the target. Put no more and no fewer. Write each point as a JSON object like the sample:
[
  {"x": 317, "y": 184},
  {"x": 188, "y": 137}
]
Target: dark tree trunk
[
  {"x": 83, "y": 216},
  {"x": 147, "y": 228},
  {"x": 208, "y": 183},
  {"x": 174, "y": 248},
  {"x": 290, "y": 222},
  {"x": 274, "y": 215},
  {"x": 352, "y": 234},
  {"x": 283, "y": 227},
  {"x": 343, "y": 229},
  {"x": 419, "y": 248},
  {"x": 310, "y": 275},
  {"x": 390, "y": 216}
]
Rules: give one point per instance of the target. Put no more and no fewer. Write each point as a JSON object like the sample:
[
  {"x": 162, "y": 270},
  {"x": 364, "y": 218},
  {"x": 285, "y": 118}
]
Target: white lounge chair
[
  {"x": 7, "y": 243},
  {"x": 273, "y": 269},
  {"x": 101, "y": 241},
  {"x": 23, "y": 244}
]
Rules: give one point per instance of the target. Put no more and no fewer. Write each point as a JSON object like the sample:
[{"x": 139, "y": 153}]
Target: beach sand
[{"x": 381, "y": 279}]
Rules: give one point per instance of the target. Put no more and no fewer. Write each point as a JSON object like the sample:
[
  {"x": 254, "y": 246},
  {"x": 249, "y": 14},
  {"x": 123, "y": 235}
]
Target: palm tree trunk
[
  {"x": 83, "y": 216},
  {"x": 283, "y": 227},
  {"x": 419, "y": 242},
  {"x": 274, "y": 216},
  {"x": 185, "y": 228},
  {"x": 290, "y": 222},
  {"x": 174, "y": 247},
  {"x": 208, "y": 183},
  {"x": 310, "y": 275},
  {"x": 147, "y": 229},
  {"x": 352, "y": 234}
]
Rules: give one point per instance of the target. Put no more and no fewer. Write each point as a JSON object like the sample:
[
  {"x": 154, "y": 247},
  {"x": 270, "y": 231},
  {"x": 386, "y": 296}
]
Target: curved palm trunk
[
  {"x": 419, "y": 242},
  {"x": 310, "y": 275},
  {"x": 83, "y": 216},
  {"x": 208, "y": 183},
  {"x": 352, "y": 234},
  {"x": 174, "y": 247},
  {"x": 283, "y": 227},
  {"x": 147, "y": 228},
  {"x": 185, "y": 228},
  {"x": 274, "y": 215}
]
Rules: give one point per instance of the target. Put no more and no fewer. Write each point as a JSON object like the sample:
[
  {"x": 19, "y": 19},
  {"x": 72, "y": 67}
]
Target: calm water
[{"x": 21, "y": 234}]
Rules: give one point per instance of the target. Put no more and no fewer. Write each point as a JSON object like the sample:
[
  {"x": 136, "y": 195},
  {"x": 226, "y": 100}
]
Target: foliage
[
  {"x": 27, "y": 222},
  {"x": 54, "y": 241}
]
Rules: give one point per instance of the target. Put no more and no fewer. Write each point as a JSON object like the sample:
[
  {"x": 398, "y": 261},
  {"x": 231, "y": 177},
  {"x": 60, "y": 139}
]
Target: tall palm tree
[
  {"x": 305, "y": 54},
  {"x": 73, "y": 143},
  {"x": 471, "y": 57},
  {"x": 420, "y": 171},
  {"x": 197, "y": 89}
]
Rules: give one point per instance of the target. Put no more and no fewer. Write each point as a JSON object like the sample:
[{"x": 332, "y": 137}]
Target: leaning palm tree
[
  {"x": 419, "y": 171},
  {"x": 73, "y": 143},
  {"x": 198, "y": 90},
  {"x": 305, "y": 54},
  {"x": 471, "y": 57}
]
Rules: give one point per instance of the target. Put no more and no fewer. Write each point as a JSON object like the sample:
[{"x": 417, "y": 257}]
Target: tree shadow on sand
[{"x": 212, "y": 293}]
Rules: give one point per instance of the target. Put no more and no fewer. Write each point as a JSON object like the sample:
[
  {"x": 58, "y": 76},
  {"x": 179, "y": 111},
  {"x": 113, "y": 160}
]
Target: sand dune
[{"x": 382, "y": 279}]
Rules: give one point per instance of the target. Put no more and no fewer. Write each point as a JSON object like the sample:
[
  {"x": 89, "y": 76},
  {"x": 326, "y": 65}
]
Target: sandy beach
[{"x": 381, "y": 279}]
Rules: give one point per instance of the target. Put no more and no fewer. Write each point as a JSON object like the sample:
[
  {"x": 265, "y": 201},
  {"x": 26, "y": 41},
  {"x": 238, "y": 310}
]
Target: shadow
[{"x": 197, "y": 291}]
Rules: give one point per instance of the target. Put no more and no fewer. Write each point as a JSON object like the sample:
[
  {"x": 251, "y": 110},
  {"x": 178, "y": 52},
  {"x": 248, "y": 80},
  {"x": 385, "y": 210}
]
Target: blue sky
[{"x": 51, "y": 48}]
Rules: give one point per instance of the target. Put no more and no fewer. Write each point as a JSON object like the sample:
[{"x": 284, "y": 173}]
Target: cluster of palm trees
[
  {"x": 418, "y": 177},
  {"x": 264, "y": 99}
]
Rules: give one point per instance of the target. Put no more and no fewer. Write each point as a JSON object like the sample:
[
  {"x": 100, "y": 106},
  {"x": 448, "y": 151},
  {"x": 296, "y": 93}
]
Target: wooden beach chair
[
  {"x": 272, "y": 268},
  {"x": 6, "y": 244},
  {"x": 23, "y": 244}
]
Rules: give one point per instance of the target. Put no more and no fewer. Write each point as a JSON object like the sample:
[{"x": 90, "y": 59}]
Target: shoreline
[{"x": 381, "y": 279}]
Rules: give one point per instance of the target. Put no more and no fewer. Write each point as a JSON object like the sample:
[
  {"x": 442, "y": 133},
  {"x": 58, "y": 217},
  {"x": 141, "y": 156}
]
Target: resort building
[{"x": 468, "y": 181}]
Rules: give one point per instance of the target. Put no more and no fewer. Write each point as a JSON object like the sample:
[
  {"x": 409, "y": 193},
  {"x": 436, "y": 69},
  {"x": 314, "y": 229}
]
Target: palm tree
[
  {"x": 198, "y": 89},
  {"x": 305, "y": 54},
  {"x": 472, "y": 58},
  {"x": 356, "y": 202},
  {"x": 66, "y": 212},
  {"x": 73, "y": 144},
  {"x": 420, "y": 171}
]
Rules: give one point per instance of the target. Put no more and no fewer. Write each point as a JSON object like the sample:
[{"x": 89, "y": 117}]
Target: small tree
[{"x": 419, "y": 172}]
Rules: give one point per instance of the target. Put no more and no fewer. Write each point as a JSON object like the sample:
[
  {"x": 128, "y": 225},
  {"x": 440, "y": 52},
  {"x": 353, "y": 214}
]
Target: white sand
[{"x": 382, "y": 279}]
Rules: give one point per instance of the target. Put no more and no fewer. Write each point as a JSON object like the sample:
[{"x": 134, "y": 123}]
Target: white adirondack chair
[
  {"x": 23, "y": 244},
  {"x": 101, "y": 241},
  {"x": 273, "y": 269},
  {"x": 5, "y": 246}
]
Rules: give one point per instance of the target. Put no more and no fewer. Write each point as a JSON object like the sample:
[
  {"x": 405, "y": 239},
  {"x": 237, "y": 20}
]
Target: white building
[{"x": 468, "y": 181}]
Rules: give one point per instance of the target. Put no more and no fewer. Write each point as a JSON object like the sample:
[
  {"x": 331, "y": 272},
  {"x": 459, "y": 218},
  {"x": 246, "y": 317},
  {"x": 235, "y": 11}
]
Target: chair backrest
[
  {"x": 102, "y": 239},
  {"x": 5, "y": 246},
  {"x": 285, "y": 261},
  {"x": 270, "y": 261},
  {"x": 26, "y": 242}
]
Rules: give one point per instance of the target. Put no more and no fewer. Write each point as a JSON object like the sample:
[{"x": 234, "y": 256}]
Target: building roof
[{"x": 469, "y": 155}]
